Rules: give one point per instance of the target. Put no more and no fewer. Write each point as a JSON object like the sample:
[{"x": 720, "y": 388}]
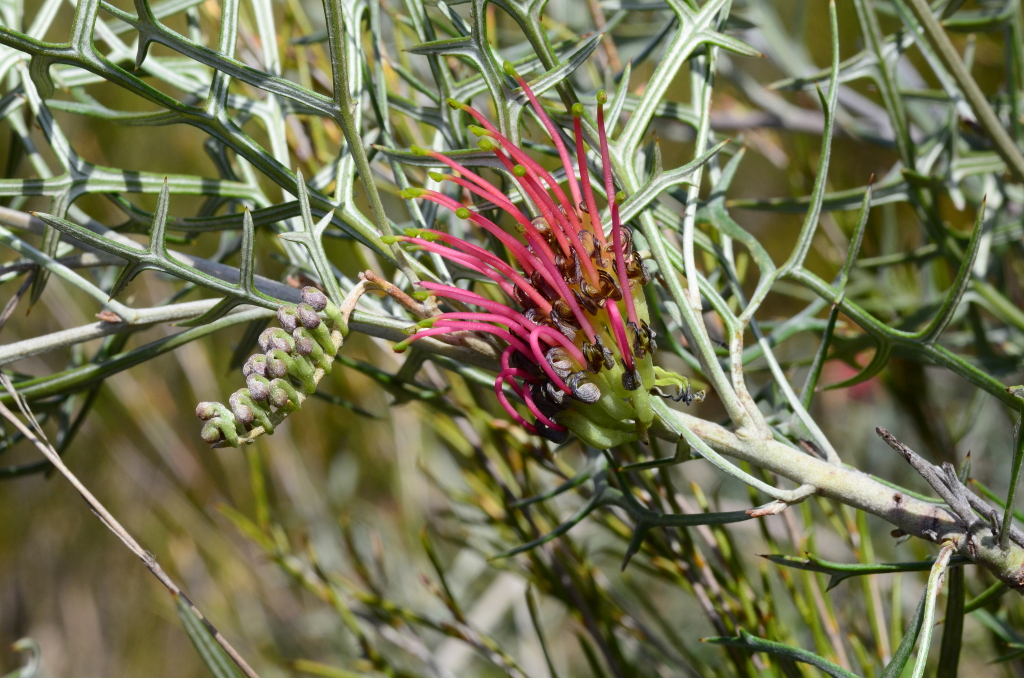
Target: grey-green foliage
[{"x": 377, "y": 77}]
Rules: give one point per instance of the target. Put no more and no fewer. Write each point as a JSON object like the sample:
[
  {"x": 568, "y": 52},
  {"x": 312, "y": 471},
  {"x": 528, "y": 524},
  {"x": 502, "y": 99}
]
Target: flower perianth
[
  {"x": 467, "y": 296},
  {"x": 471, "y": 255},
  {"x": 570, "y": 350},
  {"x": 545, "y": 120},
  {"x": 613, "y": 207},
  {"x": 588, "y": 190},
  {"x": 503, "y": 399},
  {"x": 486, "y": 186},
  {"x": 545, "y": 262},
  {"x": 563, "y": 215}
]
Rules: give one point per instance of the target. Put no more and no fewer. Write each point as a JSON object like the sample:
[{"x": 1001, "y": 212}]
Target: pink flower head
[{"x": 575, "y": 329}]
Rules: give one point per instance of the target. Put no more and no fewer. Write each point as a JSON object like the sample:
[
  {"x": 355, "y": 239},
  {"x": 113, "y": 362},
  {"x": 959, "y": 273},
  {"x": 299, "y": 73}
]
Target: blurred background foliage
[{"x": 355, "y": 541}]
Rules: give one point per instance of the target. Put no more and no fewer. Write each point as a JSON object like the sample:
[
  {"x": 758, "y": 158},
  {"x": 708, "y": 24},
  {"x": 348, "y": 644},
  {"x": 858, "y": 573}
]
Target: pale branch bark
[
  {"x": 967, "y": 501},
  {"x": 858, "y": 490},
  {"x": 146, "y": 317},
  {"x": 380, "y": 327},
  {"x": 934, "y": 477}
]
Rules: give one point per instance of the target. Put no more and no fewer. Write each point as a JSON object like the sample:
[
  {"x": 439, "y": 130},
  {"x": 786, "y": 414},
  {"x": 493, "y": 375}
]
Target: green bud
[
  {"x": 412, "y": 192},
  {"x": 462, "y": 213},
  {"x": 389, "y": 239},
  {"x": 509, "y": 69},
  {"x": 519, "y": 171},
  {"x": 454, "y": 104},
  {"x": 602, "y": 96},
  {"x": 418, "y": 150},
  {"x": 478, "y": 131},
  {"x": 422, "y": 295},
  {"x": 426, "y": 323},
  {"x": 436, "y": 176},
  {"x": 620, "y": 198},
  {"x": 401, "y": 346},
  {"x": 420, "y": 233},
  {"x": 577, "y": 110},
  {"x": 485, "y": 145}
]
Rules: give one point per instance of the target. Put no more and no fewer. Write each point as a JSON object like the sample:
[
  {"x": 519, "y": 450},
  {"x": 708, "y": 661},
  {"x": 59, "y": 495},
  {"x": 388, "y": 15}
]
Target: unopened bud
[
  {"x": 410, "y": 193},
  {"x": 256, "y": 364},
  {"x": 303, "y": 342},
  {"x": 277, "y": 366},
  {"x": 264, "y": 339},
  {"x": 207, "y": 410},
  {"x": 259, "y": 387},
  {"x": 288, "y": 316},
  {"x": 280, "y": 393},
  {"x": 240, "y": 408},
  {"x": 315, "y": 298},
  {"x": 276, "y": 338},
  {"x": 211, "y": 433},
  {"x": 308, "y": 316}
]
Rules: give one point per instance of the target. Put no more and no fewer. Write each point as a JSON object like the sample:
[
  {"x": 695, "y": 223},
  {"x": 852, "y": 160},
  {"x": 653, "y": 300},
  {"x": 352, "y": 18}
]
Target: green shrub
[{"x": 551, "y": 251}]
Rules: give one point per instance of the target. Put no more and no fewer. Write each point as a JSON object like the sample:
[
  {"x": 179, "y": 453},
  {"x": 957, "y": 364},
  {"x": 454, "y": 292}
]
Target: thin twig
[
  {"x": 144, "y": 317},
  {"x": 955, "y": 500},
  {"x": 393, "y": 291},
  {"x": 597, "y": 14}
]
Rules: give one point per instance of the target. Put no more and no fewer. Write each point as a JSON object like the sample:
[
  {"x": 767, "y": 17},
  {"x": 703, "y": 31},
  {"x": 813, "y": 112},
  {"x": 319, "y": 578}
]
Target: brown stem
[{"x": 608, "y": 44}]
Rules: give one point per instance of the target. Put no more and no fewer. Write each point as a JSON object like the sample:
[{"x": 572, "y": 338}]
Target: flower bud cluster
[{"x": 293, "y": 359}]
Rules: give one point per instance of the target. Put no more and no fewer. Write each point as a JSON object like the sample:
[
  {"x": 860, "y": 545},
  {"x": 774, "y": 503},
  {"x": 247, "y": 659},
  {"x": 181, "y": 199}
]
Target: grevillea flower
[{"x": 578, "y": 344}]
